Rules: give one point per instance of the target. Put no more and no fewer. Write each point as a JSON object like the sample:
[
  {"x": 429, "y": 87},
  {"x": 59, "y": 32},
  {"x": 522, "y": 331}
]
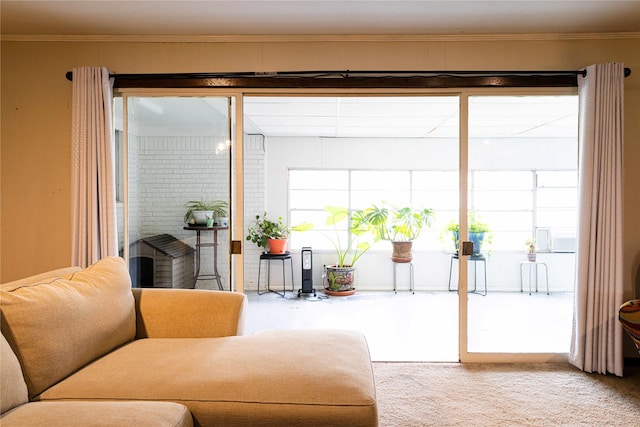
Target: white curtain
[
  {"x": 93, "y": 214},
  {"x": 596, "y": 343}
]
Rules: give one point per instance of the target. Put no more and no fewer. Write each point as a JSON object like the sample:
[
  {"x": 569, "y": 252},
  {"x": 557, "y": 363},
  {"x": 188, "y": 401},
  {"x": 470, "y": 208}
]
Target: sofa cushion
[
  {"x": 98, "y": 414},
  {"x": 309, "y": 377},
  {"x": 13, "y": 391},
  {"x": 161, "y": 313},
  {"x": 58, "y": 325}
]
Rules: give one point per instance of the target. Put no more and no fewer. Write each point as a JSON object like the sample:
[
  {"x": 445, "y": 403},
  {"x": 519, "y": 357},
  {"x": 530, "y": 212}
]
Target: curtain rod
[
  {"x": 349, "y": 73},
  {"x": 350, "y": 80}
]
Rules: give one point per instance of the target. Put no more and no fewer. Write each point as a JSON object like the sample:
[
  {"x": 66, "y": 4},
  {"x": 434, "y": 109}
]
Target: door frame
[
  {"x": 494, "y": 357},
  {"x": 236, "y": 190}
]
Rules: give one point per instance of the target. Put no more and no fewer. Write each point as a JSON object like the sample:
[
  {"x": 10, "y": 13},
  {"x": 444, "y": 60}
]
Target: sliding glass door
[
  {"x": 501, "y": 165},
  {"x": 174, "y": 151},
  {"x": 504, "y": 165},
  {"x": 522, "y": 201}
]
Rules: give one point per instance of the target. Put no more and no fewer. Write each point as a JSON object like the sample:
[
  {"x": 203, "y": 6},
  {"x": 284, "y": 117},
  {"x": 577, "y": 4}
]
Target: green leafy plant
[
  {"x": 530, "y": 244},
  {"x": 476, "y": 228},
  {"x": 394, "y": 224},
  {"x": 475, "y": 225},
  {"x": 264, "y": 229},
  {"x": 348, "y": 252},
  {"x": 218, "y": 207}
]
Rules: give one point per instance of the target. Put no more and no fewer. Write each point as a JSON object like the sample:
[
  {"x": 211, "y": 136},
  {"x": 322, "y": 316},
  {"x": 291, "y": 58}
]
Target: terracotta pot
[
  {"x": 339, "y": 293},
  {"x": 402, "y": 251},
  {"x": 277, "y": 246}
]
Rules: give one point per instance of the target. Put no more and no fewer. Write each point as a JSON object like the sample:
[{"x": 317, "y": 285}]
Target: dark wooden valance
[{"x": 352, "y": 79}]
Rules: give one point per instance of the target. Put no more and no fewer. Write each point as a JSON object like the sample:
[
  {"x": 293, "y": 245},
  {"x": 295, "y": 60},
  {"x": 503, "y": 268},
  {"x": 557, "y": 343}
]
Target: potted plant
[
  {"x": 272, "y": 235},
  {"x": 400, "y": 226},
  {"x": 340, "y": 276},
  {"x": 478, "y": 233},
  {"x": 269, "y": 234},
  {"x": 531, "y": 250},
  {"x": 198, "y": 211}
]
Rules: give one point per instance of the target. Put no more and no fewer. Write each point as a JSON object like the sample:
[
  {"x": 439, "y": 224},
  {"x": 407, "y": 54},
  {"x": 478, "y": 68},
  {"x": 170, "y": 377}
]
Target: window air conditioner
[{"x": 563, "y": 241}]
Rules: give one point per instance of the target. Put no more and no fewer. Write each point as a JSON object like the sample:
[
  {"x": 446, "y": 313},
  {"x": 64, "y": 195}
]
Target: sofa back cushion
[
  {"x": 59, "y": 325},
  {"x": 13, "y": 389},
  {"x": 61, "y": 273}
]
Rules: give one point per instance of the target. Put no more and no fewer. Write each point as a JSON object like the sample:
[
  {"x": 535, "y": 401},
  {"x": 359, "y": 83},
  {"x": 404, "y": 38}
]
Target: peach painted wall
[{"x": 36, "y": 109}]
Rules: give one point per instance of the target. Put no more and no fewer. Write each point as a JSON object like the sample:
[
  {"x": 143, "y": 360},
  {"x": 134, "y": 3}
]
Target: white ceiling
[
  {"x": 352, "y": 116},
  {"x": 361, "y": 117},
  {"x": 317, "y": 17},
  {"x": 410, "y": 117}
]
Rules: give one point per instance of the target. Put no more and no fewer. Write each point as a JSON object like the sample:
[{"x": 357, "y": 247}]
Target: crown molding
[{"x": 287, "y": 38}]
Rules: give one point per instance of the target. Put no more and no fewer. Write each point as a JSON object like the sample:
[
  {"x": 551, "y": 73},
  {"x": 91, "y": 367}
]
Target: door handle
[
  {"x": 236, "y": 247},
  {"x": 467, "y": 248}
]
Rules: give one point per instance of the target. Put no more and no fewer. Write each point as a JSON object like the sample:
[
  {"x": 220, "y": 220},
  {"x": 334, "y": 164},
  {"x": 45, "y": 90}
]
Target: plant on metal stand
[
  {"x": 340, "y": 276},
  {"x": 400, "y": 226}
]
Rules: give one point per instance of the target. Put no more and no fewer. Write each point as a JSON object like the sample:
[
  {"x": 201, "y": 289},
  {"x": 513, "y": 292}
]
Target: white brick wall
[
  {"x": 254, "y": 203},
  {"x": 167, "y": 172}
]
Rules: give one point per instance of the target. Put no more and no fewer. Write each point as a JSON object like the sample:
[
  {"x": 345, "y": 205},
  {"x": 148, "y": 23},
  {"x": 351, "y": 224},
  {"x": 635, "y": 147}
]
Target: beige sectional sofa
[{"x": 80, "y": 347}]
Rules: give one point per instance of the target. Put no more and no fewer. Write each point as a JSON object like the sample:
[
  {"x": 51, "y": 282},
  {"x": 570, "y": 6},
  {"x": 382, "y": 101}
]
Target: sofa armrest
[{"x": 188, "y": 313}]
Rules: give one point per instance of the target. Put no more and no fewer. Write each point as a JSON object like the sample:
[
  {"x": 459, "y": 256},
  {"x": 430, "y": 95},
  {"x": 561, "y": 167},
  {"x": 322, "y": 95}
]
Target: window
[
  {"x": 515, "y": 204},
  {"x": 310, "y": 191}
]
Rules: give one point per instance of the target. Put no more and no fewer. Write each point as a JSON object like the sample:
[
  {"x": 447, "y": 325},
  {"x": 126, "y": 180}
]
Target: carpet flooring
[{"x": 550, "y": 394}]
